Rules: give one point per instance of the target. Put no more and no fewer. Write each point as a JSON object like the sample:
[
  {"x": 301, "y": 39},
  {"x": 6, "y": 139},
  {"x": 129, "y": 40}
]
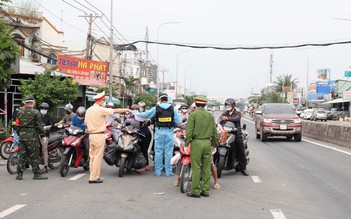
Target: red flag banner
[{"x": 84, "y": 71}]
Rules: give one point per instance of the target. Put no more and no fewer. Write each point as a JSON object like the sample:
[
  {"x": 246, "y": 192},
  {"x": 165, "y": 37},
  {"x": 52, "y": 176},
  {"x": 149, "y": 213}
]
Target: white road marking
[
  {"x": 277, "y": 214},
  {"x": 77, "y": 176},
  {"x": 23, "y": 194},
  {"x": 256, "y": 179},
  {"x": 11, "y": 210},
  {"x": 312, "y": 142},
  {"x": 325, "y": 146}
]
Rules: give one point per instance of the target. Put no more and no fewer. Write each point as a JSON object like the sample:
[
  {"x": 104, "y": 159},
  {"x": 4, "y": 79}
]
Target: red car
[{"x": 277, "y": 119}]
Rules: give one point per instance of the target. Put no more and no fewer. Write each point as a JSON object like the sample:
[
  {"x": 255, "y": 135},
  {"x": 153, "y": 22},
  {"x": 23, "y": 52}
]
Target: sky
[{"x": 225, "y": 23}]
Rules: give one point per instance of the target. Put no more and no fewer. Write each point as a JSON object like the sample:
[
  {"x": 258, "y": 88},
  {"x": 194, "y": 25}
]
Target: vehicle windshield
[{"x": 279, "y": 110}]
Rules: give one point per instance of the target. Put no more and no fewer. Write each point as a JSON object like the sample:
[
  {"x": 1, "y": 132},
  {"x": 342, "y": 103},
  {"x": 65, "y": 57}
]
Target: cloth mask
[
  {"x": 228, "y": 108},
  {"x": 43, "y": 112},
  {"x": 68, "y": 112},
  {"x": 184, "y": 110}
]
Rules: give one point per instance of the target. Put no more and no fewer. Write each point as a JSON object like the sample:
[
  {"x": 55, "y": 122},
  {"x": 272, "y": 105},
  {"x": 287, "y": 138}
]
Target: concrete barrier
[{"x": 333, "y": 133}]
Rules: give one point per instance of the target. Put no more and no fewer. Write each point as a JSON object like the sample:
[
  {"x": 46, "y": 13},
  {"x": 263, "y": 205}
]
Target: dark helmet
[
  {"x": 134, "y": 107},
  {"x": 44, "y": 105},
  {"x": 229, "y": 101},
  {"x": 81, "y": 111},
  {"x": 184, "y": 106}
]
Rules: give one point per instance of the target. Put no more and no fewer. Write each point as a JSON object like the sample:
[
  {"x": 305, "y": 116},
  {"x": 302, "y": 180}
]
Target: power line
[
  {"x": 243, "y": 47},
  {"x": 74, "y": 7}
]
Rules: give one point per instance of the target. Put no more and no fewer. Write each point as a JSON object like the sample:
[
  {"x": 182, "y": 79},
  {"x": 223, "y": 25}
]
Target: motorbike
[
  {"x": 73, "y": 155},
  {"x": 55, "y": 152},
  {"x": 225, "y": 157},
  {"x": 6, "y": 147},
  {"x": 125, "y": 150},
  {"x": 185, "y": 172}
]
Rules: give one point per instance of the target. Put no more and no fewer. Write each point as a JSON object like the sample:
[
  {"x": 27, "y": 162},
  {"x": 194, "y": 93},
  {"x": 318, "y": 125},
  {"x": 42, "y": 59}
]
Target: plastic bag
[
  {"x": 110, "y": 154},
  {"x": 139, "y": 161}
]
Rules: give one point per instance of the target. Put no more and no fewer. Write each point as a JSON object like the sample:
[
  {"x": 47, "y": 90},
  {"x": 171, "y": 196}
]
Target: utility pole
[
  {"x": 140, "y": 73},
  {"x": 89, "y": 18},
  {"x": 111, "y": 54},
  {"x": 271, "y": 69}
]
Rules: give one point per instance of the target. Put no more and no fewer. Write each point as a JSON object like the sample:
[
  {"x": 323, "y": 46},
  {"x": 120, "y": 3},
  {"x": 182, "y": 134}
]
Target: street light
[
  {"x": 176, "y": 82},
  {"x": 158, "y": 63},
  {"x": 189, "y": 66}
]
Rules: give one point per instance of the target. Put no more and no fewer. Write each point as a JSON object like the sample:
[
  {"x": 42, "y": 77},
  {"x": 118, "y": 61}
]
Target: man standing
[
  {"x": 95, "y": 119},
  {"x": 166, "y": 117},
  {"x": 30, "y": 126},
  {"x": 45, "y": 139},
  {"x": 234, "y": 115},
  {"x": 201, "y": 132}
]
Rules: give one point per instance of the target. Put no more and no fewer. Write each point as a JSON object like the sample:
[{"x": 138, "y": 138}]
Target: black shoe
[
  {"x": 244, "y": 173},
  {"x": 204, "y": 194},
  {"x": 97, "y": 181},
  {"x": 189, "y": 194}
]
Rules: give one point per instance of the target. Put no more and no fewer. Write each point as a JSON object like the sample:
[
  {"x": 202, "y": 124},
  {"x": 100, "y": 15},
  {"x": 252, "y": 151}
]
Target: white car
[{"x": 307, "y": 113}]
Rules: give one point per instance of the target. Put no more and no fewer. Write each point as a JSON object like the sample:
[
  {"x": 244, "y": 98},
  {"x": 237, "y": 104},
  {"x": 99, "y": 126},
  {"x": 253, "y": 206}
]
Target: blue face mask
[
  {"x": 228, "y": 108},
  {"x": 43, "y": 112}
]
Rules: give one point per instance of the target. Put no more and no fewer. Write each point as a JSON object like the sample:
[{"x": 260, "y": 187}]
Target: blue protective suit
[{"x": 163, "y": 141}]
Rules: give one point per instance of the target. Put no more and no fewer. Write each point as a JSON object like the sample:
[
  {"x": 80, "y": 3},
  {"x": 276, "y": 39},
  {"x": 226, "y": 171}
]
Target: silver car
[{"x": 319, "y": 115}]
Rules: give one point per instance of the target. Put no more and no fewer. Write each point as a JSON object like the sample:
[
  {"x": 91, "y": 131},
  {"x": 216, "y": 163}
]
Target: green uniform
[
  {"x": 202, "y": 133},
  {"x": 29, "y": 127}
]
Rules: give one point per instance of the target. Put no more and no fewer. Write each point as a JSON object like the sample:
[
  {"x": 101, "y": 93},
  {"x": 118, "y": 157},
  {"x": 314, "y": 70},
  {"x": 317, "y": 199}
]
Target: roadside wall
[{"x": 333, "y": 133}]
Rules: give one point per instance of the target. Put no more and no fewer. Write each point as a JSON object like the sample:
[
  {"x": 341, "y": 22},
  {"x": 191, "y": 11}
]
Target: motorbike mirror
[
  {"x": 118, "y": 120},
  {"x": 244, "y": 127},
  {"x": 184, "y": 120},
  {"x": 258, "y": 112}
]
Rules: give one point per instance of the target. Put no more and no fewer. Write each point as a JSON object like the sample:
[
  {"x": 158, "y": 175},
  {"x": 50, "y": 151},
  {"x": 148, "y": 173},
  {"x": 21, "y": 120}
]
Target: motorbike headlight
[
  {"x": 267, "y": 120},
  {"x": 63, "y": 142},
  {"x": 297, "y": 120},
  {"x": 75, "y": 142}
]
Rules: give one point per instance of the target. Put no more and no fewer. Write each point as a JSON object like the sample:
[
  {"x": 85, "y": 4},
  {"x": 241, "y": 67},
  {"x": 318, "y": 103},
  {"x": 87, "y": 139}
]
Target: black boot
[{"x": 19, "y": 175}]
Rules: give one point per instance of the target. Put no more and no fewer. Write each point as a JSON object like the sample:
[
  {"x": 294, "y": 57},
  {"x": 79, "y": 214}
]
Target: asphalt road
[{"x": 287, "y": 180}]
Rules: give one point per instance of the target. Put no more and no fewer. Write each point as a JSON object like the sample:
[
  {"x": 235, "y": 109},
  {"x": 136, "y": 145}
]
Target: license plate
[{"x": 283, "y": 127}]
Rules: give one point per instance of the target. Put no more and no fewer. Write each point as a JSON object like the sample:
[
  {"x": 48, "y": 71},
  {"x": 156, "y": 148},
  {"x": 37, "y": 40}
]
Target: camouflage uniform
[{"x": 30, "y": 125}]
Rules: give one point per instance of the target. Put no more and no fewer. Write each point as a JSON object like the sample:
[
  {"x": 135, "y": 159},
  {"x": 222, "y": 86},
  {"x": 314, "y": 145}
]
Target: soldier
[
  {"x": 30, "y": 125},
  {"x": 201, "y": 132}
]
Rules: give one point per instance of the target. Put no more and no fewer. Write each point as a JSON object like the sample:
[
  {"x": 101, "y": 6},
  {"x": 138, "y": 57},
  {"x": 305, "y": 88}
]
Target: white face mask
[
  {"x": 135, "y": 112},
  {"x": 184, "y": 110},
  {"x": 228, "y": 108}
]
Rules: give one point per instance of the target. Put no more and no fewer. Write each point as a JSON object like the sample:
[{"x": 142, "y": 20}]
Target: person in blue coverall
[{"x": 166, "y": 118}]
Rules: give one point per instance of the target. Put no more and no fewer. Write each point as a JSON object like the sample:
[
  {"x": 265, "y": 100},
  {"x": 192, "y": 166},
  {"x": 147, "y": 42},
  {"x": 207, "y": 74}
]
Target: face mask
[
  {"x": 68, "y": 112},
  {"x": 135, "y": 112},
  {"x": 184, "y": 110},
  {"x": 80, "y": 118},
  {"x": 43, "y": 112},
  {"x": 228, "y": 108},
  {"x": 141, "y": 109}
]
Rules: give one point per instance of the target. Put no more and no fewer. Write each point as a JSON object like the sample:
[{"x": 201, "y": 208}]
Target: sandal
[
  {"x": 176, "y": 183},
  {"x": 216, "y": 186},
  {"x": 140, "y": 170}
]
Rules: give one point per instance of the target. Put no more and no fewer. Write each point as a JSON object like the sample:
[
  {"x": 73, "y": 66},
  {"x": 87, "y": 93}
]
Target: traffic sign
[{"x": 347, "y": 73}]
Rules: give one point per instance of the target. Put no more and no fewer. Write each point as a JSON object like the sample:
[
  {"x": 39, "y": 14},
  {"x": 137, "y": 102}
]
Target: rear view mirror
[
  {"x": 184, "y": 120},
  {"x": 244, "y": 127}
]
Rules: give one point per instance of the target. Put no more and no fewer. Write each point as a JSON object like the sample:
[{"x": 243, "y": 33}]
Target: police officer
[
  {"x": 166, "y": 118},
  {"x": 234, "y": 115},
  {"x": 30, "y": 125},
  {"x": 201, "y": 132}
]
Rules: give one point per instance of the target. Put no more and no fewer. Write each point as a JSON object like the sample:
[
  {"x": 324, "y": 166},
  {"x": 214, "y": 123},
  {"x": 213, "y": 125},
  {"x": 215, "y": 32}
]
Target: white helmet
[{"x": 110, "y": 104}]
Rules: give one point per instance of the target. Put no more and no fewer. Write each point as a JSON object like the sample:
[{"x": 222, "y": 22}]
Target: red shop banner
[{"x": 84, "y": 71}]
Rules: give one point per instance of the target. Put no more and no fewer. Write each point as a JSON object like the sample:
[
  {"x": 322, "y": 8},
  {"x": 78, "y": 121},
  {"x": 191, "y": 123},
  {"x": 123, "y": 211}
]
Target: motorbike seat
[{"x": 54, "y": 138}]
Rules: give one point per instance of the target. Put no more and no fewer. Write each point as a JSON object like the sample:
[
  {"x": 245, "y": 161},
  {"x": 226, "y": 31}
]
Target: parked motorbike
[
  {"x": 125, "y": 151},
  {"x": 6, "y": 147},
  {"x": 55, "y": 152},
  {"x": 185, "y": 172},
  {"x": 225, "y": 158},
  {"x": 73, "y": 155}
]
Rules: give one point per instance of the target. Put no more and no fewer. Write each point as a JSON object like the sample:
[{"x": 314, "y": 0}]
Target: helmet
[
  {"x": 135, "y": 107},
  {"x": 229, "y": 101},
  {"x": 142, "y": 104},
  {"x": 68, "y": 106},
  {"x": 81, "y": 111},
  {"x": 44, "y": 105},
  {"x": 110, "y": 104},
  {"x": 184, "y": 106}
]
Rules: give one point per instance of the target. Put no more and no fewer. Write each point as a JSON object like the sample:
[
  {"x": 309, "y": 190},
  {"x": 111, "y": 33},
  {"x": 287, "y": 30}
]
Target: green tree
[
  {"x": 149, "y": 99},
  {"x": 9, "y": 52},
  {"x": 130, "y": 83},
  {"x": 285, "y": 80},
  {"x": 3, "y": 2},
  {"x": 51, "y": 89}
]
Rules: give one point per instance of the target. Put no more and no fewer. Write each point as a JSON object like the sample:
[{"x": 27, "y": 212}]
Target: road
[{"x": 287, "y": 180}]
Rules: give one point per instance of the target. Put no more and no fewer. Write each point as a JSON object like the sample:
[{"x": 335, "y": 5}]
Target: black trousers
[
  {"x": 240, "y": 151},
  {"x": 144, "y": 146}
]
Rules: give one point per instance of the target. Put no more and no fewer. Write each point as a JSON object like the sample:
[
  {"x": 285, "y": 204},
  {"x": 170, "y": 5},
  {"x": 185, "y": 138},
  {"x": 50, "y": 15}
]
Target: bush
[{"x": 3, "y": 133}]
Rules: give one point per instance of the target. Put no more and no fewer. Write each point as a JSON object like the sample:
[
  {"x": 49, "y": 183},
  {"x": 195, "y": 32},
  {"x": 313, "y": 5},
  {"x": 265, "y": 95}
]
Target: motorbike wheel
[
  {"x": 185, "y": 178},
  {"x": 121, "y": 167},
  {"x": 55, "y": 158},
  {"x": 12, "y": 163},
  {"x": 64, "y": 167},
  {"x": 220, "y": 166},
  {"x": 5, "y": 150}
]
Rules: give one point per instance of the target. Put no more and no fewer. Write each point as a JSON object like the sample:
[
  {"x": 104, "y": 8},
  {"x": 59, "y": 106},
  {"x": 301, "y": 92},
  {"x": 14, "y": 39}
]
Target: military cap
[
  {"x": 200, "y": 99},
  {"x": 29, "y": 99},
  {"x": 100, "y": 96}
]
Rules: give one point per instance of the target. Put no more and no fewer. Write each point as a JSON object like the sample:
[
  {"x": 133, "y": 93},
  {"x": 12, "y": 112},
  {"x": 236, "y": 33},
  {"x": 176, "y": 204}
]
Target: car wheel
[
  {"x": 263, "y": 136},
  {"x": 298, "y": 137}
]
